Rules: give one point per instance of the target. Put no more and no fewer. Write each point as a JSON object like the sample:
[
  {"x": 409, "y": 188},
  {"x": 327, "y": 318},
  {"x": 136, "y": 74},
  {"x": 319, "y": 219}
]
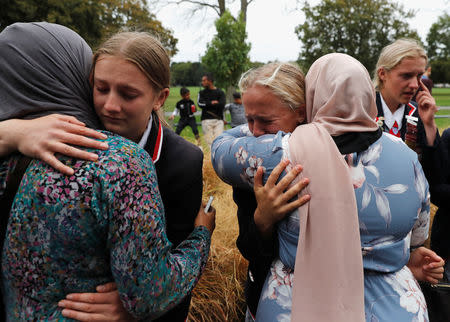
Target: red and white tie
[{"x": 394, "y": 130}]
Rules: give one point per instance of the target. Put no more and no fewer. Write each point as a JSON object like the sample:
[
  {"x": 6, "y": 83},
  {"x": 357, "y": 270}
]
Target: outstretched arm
[
  {"x": 105, "y": 305},
  {"x": 45, "y": 136}
]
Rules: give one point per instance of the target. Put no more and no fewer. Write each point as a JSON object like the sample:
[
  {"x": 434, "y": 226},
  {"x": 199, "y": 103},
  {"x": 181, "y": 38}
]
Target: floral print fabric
[
  {"x": 105, "y": 223},
  {"x": 393, "y": 208}
]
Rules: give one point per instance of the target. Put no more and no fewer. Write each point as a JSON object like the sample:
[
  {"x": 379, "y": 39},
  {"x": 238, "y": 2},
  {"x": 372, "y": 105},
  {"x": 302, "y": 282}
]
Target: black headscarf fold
[
  {"x": 44, "y": 69},
  {"x": 356, "y": 141}
]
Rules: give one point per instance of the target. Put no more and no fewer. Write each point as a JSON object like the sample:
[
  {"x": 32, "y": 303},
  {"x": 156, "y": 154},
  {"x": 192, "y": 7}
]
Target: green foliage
[
  {"x": 92, "y": 19},
  {"x": 227, "y": 53},
  {"x": 186, "y": 73},
  {"x": 360, "y": 28},
  {"x": 438, "y": 40}
]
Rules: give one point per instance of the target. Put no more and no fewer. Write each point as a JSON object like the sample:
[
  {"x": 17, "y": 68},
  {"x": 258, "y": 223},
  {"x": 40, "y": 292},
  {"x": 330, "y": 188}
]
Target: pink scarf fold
[{"x": 328, "y": 275}]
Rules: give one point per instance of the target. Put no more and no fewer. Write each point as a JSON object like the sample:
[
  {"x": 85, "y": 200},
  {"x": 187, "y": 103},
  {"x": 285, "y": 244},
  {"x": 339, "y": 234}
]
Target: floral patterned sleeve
[
  {"x": 236, "y": 155},
  {"x": 420, "y": 229},
  {"x": 151, "y": 276}
]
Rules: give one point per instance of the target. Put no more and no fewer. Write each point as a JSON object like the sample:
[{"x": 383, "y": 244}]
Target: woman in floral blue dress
[
  {"x": 391, "y": 196},
  {"x": 103, "y": 223}
]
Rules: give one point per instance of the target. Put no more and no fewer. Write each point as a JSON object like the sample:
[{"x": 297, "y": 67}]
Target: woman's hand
[
  {"x": 102, "y": 306},
  {"x": 41, "y": 138},
  {"x": 427, "y": 110},
  {"x": 207, "y": 219},
  {"x": 426, "y": 265},
  {"x": 273, "y": 198}
]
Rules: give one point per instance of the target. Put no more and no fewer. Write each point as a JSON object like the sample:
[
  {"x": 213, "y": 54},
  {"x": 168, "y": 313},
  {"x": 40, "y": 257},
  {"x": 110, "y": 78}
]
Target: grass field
[
  {"x": 172, "y": 100},
  {"x": 441, "y": 95}
]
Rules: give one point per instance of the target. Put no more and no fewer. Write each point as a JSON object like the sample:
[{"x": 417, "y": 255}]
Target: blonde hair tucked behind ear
[
  {"x": 146, "y": 52},
  {"x": 286, "y": 81},
  {"x": 393, "y": 54}
]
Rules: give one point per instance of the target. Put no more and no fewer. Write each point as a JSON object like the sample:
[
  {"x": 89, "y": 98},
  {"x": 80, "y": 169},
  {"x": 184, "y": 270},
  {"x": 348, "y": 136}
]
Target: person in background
[
  {"x": 426, "y": 78},
  {"x": 397, "y": 79},
  {"x": 212, "y": 102},
  {"x": 104, "y": 221},
  {"x": 403, "y": 71},
  {"x": 186, "y": 109},
  {"x": 236, "y": 110},
  {"x": 343, "y": 153},
  {"x": 130, "y": 89}
]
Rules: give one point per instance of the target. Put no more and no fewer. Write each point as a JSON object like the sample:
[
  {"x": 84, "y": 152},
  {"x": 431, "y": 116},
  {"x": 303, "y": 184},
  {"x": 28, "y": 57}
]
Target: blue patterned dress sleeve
[
  {"x": 237, "y": 154},
  {"x": 421, "y": 227}
]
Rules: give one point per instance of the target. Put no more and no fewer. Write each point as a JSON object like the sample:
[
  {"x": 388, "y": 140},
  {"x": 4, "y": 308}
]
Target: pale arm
[{"x": 42, "y": 137}]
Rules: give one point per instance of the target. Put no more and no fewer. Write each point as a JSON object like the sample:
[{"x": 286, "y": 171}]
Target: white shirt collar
[
  {"x": 144, "y": 138},
  {"x": 389, "y": 117}
]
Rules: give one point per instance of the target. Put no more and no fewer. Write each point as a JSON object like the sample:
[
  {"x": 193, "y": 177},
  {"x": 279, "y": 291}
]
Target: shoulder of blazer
[
  {"x": 379, "y": 105},
  {"x": 177, "y": 148}
]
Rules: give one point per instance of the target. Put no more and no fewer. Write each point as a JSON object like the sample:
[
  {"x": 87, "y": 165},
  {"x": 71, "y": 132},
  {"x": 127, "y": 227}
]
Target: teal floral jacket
[{"x": 104, "y": 223}]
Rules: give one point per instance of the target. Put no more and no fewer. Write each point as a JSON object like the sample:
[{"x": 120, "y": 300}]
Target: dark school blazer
[
  {"x": 410, "y": 108},
  {"x": 178, "y": 166}
]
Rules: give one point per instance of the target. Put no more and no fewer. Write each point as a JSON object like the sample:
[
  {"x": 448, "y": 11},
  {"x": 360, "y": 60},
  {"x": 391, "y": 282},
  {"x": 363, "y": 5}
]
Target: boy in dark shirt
[
  {"x": 212, "y": 101},
  {"x": 186, "y": 108}
]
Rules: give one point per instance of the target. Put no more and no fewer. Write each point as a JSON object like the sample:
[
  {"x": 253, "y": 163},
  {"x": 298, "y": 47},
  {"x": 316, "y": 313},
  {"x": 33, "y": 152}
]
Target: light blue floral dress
[{"x": 393, "y": 208}]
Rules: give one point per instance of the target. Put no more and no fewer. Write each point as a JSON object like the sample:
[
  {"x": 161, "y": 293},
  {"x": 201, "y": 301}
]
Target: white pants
[{"x": 211, "y": 129}]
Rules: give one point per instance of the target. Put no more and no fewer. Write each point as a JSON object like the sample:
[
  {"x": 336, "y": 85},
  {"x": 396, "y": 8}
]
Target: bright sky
[{"x": 270, "y": 27}]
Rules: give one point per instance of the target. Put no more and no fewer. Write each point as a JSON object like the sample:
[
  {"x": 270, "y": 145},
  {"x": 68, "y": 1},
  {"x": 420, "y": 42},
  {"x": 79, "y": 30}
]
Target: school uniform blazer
[
  {"x": 410, "y": 109},
  {"x": 178, "y": 166},
  {"x": 435, "y": 162}
]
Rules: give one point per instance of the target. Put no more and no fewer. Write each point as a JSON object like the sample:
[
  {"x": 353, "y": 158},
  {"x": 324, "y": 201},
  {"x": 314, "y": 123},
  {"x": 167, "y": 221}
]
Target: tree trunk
[
  {"x": 222, "y": 7},
  {"x": 244, "y": 5},
  {"x": 229, "y": 94}
]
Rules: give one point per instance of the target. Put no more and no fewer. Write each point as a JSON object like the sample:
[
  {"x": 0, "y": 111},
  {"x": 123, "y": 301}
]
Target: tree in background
[
  {"x": 438, "y": 49},
  {"x": 93, "y": 20},
  {"x": 218, "y": 6},
  {"x": 359, "y": 28},
  {"x": 186, "y": 73},
  {"x": 227, "y": 54}
]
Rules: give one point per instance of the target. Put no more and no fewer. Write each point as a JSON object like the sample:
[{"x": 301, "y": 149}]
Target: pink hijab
[{"x": 328, "y": 277}]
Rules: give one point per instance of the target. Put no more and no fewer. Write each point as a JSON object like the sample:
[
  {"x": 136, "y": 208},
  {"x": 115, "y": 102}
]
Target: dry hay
[
  {"x": 219, "y": 295},
  {"x": 433, "y": 210}
]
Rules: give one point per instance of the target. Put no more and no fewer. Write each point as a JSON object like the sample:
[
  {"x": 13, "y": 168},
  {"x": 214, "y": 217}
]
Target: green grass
[
  {"x": 174, "y": 97},
  {"x": 441, "y": 95}
]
